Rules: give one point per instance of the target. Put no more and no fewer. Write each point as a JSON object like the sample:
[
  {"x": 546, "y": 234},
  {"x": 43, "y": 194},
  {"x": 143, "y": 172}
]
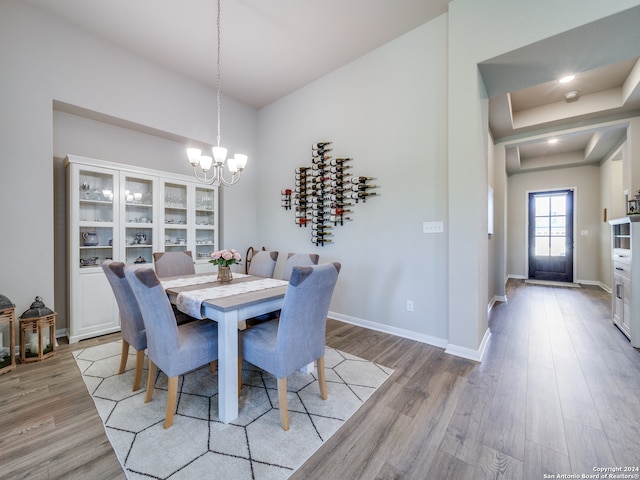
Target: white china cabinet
[
  {"x": 126, "y": 213},
  {"x": 625, "y": 300}
]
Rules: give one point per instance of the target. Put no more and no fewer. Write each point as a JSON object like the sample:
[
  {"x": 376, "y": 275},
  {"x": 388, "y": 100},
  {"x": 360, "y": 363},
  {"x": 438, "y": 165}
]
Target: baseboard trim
[
  {"x": 398, "y": 332},
  {"x": 494, "y": 300},
  {"x": 469, "y": 353},
  {"x": 475, "y": 355}
]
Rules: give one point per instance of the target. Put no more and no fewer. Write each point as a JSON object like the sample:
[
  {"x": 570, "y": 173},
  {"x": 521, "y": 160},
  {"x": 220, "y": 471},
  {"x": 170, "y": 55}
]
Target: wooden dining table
[{"x": 228, "y": 304}]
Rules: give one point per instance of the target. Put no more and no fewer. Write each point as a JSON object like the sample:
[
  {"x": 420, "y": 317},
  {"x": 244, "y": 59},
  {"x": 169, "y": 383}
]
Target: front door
[{"x": 551, "y": 235}]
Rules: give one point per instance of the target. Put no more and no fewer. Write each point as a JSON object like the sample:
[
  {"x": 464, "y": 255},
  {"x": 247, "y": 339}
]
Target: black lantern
[
  {"x": 37, "y": 332},
  {"x": 7, "y": 335}
]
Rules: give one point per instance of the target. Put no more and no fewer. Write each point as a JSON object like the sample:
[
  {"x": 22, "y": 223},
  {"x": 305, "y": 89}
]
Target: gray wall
[{"x": 387, "y": 111}]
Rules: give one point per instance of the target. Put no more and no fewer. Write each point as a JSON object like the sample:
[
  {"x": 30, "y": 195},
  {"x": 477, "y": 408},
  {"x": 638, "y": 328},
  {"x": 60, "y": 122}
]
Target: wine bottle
[
  {"x": 361, "y": 179},
  {"x": 319, "y": 226},
  {"x": 362, "y": 187},
  {"x": 338, "y": 218},
  {"x": 320, "y": 241},
  {"x": 302, "y": 221},
  {"x": 335, "y": 162},
  {"x": 339, "y": 211},
  {"x": 339, "y": 175}
]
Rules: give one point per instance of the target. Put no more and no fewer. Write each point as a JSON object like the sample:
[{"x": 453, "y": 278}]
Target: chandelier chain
[{"x": 219, "y": 76}]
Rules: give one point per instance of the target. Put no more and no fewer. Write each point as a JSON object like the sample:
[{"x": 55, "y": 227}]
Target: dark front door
[{"x": 551, "y": 235}]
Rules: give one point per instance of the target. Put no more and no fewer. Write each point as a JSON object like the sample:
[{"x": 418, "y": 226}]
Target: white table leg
[{"x": 228, "y": 367}]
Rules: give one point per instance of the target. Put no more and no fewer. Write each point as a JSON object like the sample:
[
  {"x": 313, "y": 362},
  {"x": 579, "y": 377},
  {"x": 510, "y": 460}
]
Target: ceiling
[
  {"x": 269, "y": 47},
  {"x": 527, "y": 105},
  {"x": 272, "y": 48}
]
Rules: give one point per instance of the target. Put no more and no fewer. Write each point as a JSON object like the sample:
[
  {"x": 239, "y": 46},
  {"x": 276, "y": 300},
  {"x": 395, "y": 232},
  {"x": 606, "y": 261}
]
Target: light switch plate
[{"x": 433, "y": 227}]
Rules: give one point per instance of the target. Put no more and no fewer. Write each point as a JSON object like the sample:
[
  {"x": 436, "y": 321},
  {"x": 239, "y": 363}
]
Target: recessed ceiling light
[
  {"x": 553, "y": 140},
  {"x": 567, "y": 78}
]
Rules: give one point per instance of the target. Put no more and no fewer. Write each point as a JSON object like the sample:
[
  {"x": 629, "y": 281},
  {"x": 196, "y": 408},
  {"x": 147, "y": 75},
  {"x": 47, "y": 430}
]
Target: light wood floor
[{"x": 558, "y": 393}]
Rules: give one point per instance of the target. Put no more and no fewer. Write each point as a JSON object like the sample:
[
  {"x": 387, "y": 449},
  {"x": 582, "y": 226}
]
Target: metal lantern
[
  {"x": 7, "y": 335},
  {"x": 37, "y": 332}
]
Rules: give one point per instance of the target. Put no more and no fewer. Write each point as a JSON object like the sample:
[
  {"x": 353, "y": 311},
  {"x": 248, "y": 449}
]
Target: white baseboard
[
  {"x": 496, "y": 298},
  {"x": 476, "y": 355},
  {"x": 398, "y": 332},
  {"x": 450, "y": 348}
]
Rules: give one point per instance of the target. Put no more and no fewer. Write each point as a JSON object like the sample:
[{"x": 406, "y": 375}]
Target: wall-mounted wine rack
[{"x": 325, "y": 193}]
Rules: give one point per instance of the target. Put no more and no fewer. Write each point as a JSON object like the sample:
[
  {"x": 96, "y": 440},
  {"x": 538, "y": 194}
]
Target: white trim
[
  {"x": 450, "y": 348},
  {"x": 476, "y": 355},
  {"x": 496, "y": 298},
  {"x": 515, "y": 277},
  {"x": 398, "y": 332}
]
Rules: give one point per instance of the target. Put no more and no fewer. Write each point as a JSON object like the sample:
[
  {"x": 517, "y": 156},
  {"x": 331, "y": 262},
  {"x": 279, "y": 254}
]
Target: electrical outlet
[{"x": 409, "y": 305}]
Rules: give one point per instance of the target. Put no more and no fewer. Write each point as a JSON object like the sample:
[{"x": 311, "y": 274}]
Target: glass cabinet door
[
  {"x": 96, "y": 215},
  {"x": 205, "y": 221},
  {"x": 175, "y": 217},
  {"x": 138, "y": 215}
]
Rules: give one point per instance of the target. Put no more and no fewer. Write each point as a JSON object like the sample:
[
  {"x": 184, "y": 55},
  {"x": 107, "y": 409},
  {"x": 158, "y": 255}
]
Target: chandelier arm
[
  {"x": 217, "y": 178},
  {"x": 205, "y": 180},
  {"x": 235, "y": 178}
]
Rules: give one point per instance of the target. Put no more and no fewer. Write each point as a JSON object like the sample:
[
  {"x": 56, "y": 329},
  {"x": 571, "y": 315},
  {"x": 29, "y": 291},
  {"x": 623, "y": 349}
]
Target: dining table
[{"x": 229, "y": 304}]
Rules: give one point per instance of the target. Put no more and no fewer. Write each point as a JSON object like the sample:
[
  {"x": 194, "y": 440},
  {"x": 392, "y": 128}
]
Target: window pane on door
[
  {"x": 542, "y": 246},
  {"x": 542, "y": 206},
  {"x": 559, "y": 205},
  {"x": 558, "y": 226},
  {"x": 542, "y": 226},
  {"x": 558, "y": 246}
]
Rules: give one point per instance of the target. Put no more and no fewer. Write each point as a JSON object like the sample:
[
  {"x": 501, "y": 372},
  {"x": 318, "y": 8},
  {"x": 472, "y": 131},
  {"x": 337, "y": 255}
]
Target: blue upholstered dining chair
[
  {"x": 293, "y": 260},
  {"x": 170, "y": 264},
  {"x": 263, "y": 263},
  {"x": 174, "y": 349},
  {"x": 282, "y": 346},
  {"x": 131, "y": 323},
  {"x": 298, "y": 260}
]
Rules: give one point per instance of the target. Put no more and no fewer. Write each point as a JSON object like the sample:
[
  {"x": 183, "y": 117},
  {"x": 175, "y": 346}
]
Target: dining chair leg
[
  {"x": 137, "y": 377},
  {"x": 282, "y": 403},
  {"x": 321, "y": 379},
  {"x": 151, "y": 381},
  {"x": 213, "y": 366},
  {"x": 123, "y": 356},
  {"x": 172, "y": 398}
]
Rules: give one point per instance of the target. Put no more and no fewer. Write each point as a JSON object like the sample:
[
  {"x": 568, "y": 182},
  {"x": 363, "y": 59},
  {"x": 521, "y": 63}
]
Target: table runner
[
  {"x": 183, "y": 282},
  {"x": 190, "y": 302}
]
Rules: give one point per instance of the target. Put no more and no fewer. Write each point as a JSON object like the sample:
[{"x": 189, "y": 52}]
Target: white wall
[
  {"x": 42, "y": 60},
  {"x": 387, "y": 111},
  {"x": 587, "y": 211}
]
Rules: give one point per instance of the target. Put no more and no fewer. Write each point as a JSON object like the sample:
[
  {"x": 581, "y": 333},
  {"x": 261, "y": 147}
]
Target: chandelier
[{"x": 205, "y": 163}]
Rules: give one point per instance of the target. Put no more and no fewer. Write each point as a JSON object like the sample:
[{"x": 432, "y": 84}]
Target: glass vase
[{"x": 224, "y": 274}]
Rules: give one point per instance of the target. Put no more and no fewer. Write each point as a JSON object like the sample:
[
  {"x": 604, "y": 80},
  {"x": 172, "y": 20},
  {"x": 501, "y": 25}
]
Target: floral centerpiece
[{"x": 224, "y": 259}]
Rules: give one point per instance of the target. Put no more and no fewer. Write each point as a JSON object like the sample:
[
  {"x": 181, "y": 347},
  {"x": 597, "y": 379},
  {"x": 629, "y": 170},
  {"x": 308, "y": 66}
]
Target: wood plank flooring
[{"x": 558, "y": 393}]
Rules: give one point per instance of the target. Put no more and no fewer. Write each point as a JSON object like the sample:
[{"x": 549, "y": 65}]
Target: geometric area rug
[{"x": 198, "y": 445}]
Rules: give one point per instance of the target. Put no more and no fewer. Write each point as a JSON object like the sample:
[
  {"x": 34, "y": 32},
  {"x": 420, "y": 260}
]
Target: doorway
[{"x": 551, "y": 235}]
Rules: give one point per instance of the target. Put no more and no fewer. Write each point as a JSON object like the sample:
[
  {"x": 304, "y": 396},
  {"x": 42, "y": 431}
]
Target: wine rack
[{"x": 325, "y": 193}]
